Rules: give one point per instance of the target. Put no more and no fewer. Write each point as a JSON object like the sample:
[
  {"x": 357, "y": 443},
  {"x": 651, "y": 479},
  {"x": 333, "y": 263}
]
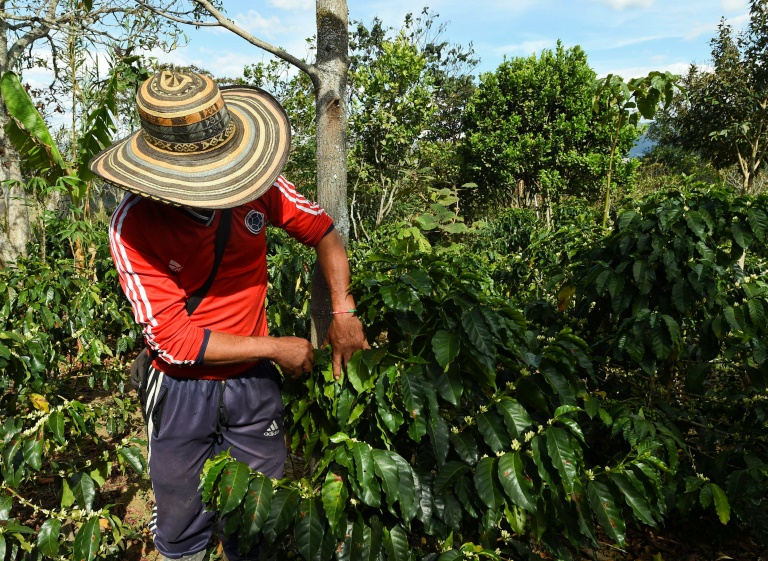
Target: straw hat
[{"x": 199, "y": 146}]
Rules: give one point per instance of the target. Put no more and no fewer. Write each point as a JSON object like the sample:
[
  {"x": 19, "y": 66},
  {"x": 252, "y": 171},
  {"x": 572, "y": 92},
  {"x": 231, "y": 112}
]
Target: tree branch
[
  {"x": 41, "y": 25},
  {"x": 24, "y": 41},
  {"x": 177, "y": 19},
  {"x": 32, "y": 35},
  {"x": 280, "y": 53}
]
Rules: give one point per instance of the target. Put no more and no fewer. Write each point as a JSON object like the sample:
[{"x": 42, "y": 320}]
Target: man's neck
[{"x": 203, "y": 215}]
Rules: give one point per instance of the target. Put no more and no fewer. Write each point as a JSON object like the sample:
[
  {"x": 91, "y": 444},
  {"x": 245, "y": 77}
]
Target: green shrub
[
  {"x": 55, "y": 317},
  {"x": 461, "y": 426},
  {"x": 290, "y": 266},
  {"x": 678, "y": 325},
  {"x": 60, "y": 323}
]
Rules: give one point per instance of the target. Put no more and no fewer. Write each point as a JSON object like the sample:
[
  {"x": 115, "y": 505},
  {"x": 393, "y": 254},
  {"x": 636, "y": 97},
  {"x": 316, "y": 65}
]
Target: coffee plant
[
  {"x": 62, "y": 328},
  {"x": 572, "y": 387},
  {"x": 290, "y": 267},
  {"x": 462, "y": 431},
  {"x": 674, "y": 303}
]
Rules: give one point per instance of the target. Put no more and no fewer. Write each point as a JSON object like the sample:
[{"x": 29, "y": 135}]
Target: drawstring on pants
[{"x": 222, "y": 419}]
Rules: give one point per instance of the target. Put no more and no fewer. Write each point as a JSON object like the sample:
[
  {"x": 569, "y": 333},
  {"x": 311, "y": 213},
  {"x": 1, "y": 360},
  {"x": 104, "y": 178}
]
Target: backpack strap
[
  {"x": 140, "y": 368},
  {"x": 222, "y": 237}
]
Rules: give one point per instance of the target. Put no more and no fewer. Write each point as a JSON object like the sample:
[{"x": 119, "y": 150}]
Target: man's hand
[
  {"x": 294, "y": 355},
  {"x": 345, "y": 336},
  {"x": 346, "y": 332}
]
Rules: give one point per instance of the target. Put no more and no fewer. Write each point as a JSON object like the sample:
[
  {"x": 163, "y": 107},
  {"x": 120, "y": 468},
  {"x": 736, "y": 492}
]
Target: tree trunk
[
  {"x": 15, "y": 231},
  {"x": 330, "y": 84},
  {"x": 14, "y": 219},
  {"x": 330, "y": 88}
]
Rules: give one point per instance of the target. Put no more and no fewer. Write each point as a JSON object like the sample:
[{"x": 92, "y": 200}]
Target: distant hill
[{"x": 642, "y": 145}]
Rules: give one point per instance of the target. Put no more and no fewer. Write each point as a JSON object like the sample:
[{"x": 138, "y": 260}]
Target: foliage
[
  {"x": 724, "y": 115},
  {"x": 448, "y": 66},
  {"x": 30, "y": 136},
  {"x": 461, "y": 424},
  {"x": 679, "y": 327},
  {"x": 56, "y": 316},
  {"x": 664, "y": 166},
  {"x": 28, "y": 132},
  {"x": 395, "y": 107},
  {"x": 290, "y": 266},
  {"x": 531, "y": 132},
  {"x": 526, "y": 255},
  {"x": 55, "y": 442},
  {"x": 60, "y": 326},
  {"x": 625, "y": 103},
  {"x": 677, "y": 255},
  {"x": 473, "y": 425},
  {"x": 407, "y": 91},
  {"x": 442, "y": 219}
]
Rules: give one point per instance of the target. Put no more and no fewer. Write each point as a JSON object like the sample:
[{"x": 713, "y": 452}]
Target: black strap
[{"x": 222, "y": 237}]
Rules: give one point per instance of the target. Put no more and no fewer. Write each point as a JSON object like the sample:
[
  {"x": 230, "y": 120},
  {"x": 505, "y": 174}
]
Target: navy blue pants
[{"x": 190, "y": 421}]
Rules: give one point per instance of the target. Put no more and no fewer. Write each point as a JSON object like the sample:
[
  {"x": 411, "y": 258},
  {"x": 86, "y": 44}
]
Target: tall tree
[
  {"x": 29, "y": 24},
  {"x": 621, "y": 103},
  {"x": 408, "y": 88},
  {"x": 723, "y": 114},
  {"x": 531, "y": 132}
]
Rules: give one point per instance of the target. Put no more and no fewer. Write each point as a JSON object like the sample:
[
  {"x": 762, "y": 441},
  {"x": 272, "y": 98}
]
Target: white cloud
[
  {"x": 696, "y": 31},
  {"x": 177, "y": 57},
  {"x": 221, "y": 63},
  {"x": 256, "y": 24},
  {"x": 740, "y": 22},
  {"x": 623, "y": 4},
  {"x": 630, "y": 41},
  {"x": 293, "y": 5},
  {"x": 289, "y": 33},
  {"x": 526, "y": 47},
  {"x": 734, "y": 5}
]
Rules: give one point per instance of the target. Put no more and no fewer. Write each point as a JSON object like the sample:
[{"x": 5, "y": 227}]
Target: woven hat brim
[{"x": 235, "y": 172}]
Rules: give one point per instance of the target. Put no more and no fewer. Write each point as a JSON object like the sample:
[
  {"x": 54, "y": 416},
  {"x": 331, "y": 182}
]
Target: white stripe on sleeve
[
  {"x": 289, "y": 192},
  {"x": 135, "y": 291}
]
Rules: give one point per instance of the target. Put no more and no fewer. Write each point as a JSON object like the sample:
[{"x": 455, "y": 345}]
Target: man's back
[{"x": 165, "y": 253}]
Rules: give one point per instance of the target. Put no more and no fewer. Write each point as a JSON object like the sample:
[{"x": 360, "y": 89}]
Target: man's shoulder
[
  {"x": 136, "y": 215},
  {"x": 135, "y": 207},
  {"x": 267, "y": 199}
]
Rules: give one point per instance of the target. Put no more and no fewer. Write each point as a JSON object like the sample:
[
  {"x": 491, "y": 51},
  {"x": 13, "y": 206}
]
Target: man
[{"x": 212, "y": 385}]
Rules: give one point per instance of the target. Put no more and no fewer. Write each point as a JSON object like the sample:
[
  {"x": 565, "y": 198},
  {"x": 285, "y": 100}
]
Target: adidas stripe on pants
[{"x": 190, "y": 421}]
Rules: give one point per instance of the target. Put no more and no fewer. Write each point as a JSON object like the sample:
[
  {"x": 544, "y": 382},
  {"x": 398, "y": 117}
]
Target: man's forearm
[
  {"x": 293, "y": 355},
  {"x": 332, "y": 257},
  {"x": 345, "y": 334},
  {"x": 224, "y": 348}
]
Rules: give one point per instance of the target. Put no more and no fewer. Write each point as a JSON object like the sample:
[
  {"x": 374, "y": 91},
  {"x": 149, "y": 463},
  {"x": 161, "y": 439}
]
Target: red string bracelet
[{"x": 344, "y": 312}]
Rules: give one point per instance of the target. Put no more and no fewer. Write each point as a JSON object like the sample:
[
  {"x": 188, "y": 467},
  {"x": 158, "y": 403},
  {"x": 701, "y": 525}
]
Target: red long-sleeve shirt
[{"x": 163, "y": 254}]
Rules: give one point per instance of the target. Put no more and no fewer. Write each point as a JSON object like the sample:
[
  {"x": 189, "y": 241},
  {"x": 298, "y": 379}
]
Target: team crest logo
[
  {"x": 174, "y": 266},
  {"x": 254, "y": 221}
]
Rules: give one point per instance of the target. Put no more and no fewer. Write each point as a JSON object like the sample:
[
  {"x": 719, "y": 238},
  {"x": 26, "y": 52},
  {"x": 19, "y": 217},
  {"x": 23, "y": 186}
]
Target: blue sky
[{"x": 626, "y": 37}]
